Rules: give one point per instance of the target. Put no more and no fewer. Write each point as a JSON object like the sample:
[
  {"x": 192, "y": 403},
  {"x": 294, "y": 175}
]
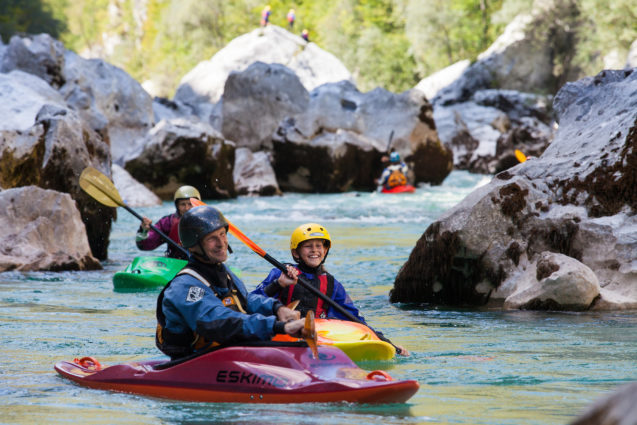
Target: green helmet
[
  {"x": 197, "y": 222},
  {"x": 186, "y": 192}
]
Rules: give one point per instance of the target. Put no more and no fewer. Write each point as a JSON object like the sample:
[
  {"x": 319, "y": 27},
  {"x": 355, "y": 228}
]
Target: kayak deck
[
  {"x": 400, "y": 189},
  {"x": 358, "y": 341},
  {"x": 248, "y": 374},
  {"x": 147, "y": 273}
]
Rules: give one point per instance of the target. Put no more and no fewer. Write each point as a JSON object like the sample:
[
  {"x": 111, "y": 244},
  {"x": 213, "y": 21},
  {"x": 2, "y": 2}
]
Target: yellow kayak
[{"x": 358, "y": 341}]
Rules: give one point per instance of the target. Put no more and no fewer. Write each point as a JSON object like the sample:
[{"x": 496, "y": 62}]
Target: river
[{"x": 474, "y": 366}]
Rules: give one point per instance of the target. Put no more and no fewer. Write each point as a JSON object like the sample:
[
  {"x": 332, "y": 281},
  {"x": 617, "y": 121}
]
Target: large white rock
[
  {"x": 23, "y": 95},
  {"x": 555, "y": 282},
  {"x": 111, "y": 100},
  {"x": 313, "y": 65},
  {"x": 42, "y": 230},
  {"x": 578, "y": 199},
  {"x": 40, "y": 55},
  {"x": 133, "y": 192},
  {"x": 437, "y": 81},
  {"x": 253, "y": 173}
]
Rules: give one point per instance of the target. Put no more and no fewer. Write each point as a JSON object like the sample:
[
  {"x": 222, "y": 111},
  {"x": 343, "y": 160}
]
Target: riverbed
[{"x": 474, "y": 366}]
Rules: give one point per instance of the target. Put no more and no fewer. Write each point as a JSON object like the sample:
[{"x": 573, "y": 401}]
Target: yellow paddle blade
[
  {"x": 520, "y": 156},
  {"x": 100, "y": 187},
  {"x": 309, "y": 333},
  {"x": 293, "y": 304}
]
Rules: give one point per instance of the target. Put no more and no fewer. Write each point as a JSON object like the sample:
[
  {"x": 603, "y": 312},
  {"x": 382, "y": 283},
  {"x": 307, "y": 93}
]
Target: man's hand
[
  {"x": 288, "y": 278},
  {"x": 295, "y": 328},
  {"x": 285, "y": 314},
  {"x": 146, "y": 222}
]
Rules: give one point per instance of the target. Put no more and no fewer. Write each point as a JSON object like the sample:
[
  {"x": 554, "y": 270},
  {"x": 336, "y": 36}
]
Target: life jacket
[
  {"x": 178, "y": 345},
  {"x": 396, "y": 178},
  {"x": 171, "y": 251},
  {"x": 309, "y": 301}
]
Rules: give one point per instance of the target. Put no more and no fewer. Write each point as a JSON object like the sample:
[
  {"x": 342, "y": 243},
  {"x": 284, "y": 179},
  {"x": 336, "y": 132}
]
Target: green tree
[{"x": 29, "y": 17}]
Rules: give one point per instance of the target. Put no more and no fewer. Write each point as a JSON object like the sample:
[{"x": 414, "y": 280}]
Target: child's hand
[{"x": 288, "y": 278}]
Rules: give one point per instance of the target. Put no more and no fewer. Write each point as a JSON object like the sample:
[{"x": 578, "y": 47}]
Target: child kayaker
[
  {"x": 309, "y": 244},
  {"x": 147, "y": 239},
  {"x": 206, "y": 304}
]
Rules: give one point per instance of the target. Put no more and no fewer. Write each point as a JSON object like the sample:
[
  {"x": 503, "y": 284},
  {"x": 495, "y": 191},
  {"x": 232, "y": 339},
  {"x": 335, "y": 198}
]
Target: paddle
[
  {"x": 301, "y": 279},
  {"x": 520, "y": 156},
  {"x": 102, "y": 189},
  {"x": 309, "y": 333}
]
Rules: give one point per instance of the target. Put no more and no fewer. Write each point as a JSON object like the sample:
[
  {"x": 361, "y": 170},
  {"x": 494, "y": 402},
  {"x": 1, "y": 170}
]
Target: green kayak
[{"x": 146, "y": 273}]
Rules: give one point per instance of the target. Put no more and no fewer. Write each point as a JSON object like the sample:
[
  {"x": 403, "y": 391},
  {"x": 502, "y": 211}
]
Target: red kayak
[
  {"x": 400, "y": 189},
  {"x": 273, "y": 373}
]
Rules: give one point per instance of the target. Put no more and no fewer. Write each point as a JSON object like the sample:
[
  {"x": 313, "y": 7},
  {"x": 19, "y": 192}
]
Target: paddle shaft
[
  {"x": 159, "y": 232},
  {"x": 307, "y": 285},
  {"x": 391, "y": 137}
]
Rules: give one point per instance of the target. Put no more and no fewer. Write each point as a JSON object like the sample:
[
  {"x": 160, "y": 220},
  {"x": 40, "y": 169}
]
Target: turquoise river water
[{"x": 474, "y": 366}]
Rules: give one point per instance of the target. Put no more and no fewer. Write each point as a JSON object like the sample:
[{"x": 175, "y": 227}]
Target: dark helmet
[{"x": 197, "y": 222}]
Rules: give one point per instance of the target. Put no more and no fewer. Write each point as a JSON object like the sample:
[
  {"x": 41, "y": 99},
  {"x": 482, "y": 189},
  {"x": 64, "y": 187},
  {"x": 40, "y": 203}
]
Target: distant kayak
[
  {"x": 400, "y": 189},
  {"x": 254, "y": 373},
  {"x": 146, "y": 273},
  {"x": 358, "y": 341}
]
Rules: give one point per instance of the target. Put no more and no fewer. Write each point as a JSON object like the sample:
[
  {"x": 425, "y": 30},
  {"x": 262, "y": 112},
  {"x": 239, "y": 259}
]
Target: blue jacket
[
  {"x": 191, "y": 306},
  {"x": 339, "y": 295}
]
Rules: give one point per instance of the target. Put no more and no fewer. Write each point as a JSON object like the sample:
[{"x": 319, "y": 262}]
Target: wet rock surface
[{"x": 577, "y": 199}]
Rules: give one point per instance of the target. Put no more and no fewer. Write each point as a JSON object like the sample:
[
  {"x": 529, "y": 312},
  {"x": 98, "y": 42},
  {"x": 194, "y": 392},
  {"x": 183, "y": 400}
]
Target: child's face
[{"x": 312, "y": 252}]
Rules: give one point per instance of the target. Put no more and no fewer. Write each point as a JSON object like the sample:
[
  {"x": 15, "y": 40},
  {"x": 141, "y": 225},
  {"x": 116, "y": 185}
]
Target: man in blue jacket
[{"x": 206, "y": 304}]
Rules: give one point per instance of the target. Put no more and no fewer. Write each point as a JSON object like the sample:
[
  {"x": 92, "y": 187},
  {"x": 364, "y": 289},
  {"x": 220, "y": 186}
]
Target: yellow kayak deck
[{"x": 358, "y": 341}]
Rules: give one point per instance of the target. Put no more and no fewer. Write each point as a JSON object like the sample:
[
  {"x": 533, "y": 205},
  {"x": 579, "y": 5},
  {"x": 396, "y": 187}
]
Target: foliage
[
  {"x": 387, "y": 43},
  {"x": 29, "y": 17}
]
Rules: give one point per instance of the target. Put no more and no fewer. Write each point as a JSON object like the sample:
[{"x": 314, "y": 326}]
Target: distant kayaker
[
  {"x": 206, "y": 304},
  {"x": 147, "y": 239},
  {"x": 309, "y": 244},
  {"x": 395, "y": 174}
]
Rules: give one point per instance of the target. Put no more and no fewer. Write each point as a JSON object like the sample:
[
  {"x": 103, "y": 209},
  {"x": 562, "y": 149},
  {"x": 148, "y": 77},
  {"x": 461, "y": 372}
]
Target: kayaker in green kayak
[
  {"x": 206, "y": 304},
  {"x": 310, "y": 244},
  {"x": 147, "y": 239}
]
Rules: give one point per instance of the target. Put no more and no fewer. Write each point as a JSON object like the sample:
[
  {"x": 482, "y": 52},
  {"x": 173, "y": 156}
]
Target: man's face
[
  {"x": 183, "y": 205},
  {"x": 215, "y": 245}
]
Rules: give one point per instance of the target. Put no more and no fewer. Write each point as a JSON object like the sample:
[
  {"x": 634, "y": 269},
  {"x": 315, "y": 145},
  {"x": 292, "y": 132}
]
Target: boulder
[
  {"x": 617, "y": 408},
  {"x": 531, "y": 55},
  {"x": 182, "y": 151},
  {"x": 256, "y": 100},
  {"x": 40, "y": 55},
  {"x": 485, "y": 131},
  {"x": 112, "y": 101},
  {"x": 554, "y": 282},
  {"x": 42, "y": 230},
  {"x": 44, "y": 143},
  {"x": 253, "y": 174},
  {"x": 437, "y": 81},
  {"x": 338, "y": 141},
  {"x": 313, "y": 65},
  {"x": 133, "y": 193},
  {"x": 579, "y": 199}
]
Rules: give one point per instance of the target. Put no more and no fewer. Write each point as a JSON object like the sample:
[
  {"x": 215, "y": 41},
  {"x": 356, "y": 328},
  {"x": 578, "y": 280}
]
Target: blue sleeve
[
  {"x": 272, "y": 277},
  {"x": 188, "y": 302},
  {"x": 340, "y": 296},
  {"x": 256, "y": 303}
]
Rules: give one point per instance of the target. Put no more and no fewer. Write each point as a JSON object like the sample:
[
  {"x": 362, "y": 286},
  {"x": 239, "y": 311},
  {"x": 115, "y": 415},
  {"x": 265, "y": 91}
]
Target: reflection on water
[{"x": 474, "y": 366}]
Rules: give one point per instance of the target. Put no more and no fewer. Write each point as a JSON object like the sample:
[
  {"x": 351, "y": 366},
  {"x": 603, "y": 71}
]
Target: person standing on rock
[
  {"x": 306, "y": 35},
  {"x": 291, "y": 18},
  {"x": 309, "y": 245},
  {"x": 147, "y": 239},
  {"x": 265, "y": 15}
]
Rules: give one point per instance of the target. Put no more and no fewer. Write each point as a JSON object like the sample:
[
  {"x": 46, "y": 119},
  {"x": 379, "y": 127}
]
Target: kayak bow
[{"x": 358, "y": 341}]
